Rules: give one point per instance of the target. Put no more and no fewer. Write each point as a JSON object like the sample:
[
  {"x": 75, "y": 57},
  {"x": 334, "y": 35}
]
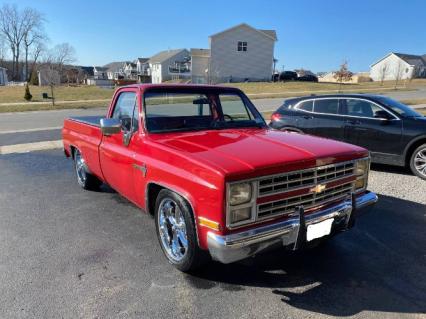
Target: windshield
[
  {"x": 399, "y": 108},
  {"x": 178, "y": 110}
]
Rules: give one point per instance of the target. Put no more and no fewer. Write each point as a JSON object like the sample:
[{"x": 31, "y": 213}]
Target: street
[{"x": 70, "y": 253}]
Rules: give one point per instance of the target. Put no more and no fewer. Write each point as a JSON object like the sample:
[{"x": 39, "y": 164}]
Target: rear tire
[
  {"x": 176, "y": 232},
  {"x": 84, "y": 178},
  {"x": 418, "y": 162}
]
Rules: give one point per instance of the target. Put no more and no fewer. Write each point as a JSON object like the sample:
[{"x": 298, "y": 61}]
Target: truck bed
[{"x": 90, "y": 120}]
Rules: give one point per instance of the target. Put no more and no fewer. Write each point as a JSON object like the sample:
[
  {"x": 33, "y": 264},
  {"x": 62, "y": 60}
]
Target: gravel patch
[{"x": 397, "y": 182}]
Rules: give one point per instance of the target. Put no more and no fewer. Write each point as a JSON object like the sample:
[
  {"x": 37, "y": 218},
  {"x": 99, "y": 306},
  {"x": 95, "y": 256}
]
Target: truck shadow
[
  {"x": 391, "y": 169},
  {"x": 377, "y": 266}
]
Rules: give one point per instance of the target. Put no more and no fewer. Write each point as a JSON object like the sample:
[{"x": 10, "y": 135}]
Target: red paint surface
[{"x": 197, "y": 164}]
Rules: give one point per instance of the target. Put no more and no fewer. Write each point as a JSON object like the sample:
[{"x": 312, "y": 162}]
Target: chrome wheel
[
  {"x": 420, "y": 161},
  {"x": 172, "y": 230},
  {"x": 80, "y": 167}
]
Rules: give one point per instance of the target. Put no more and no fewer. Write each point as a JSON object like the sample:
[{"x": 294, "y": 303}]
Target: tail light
[{"x": 276, "y": 117}]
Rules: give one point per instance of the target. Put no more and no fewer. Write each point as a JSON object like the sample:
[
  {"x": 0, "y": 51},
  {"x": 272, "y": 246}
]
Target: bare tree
[
  {"x": 383, "y": 73},
  {"x": 343, "y": 74},
  {"x": 63, "y": 54},
  {"x": 398, "y": 72},
  {"x": 3, "y": 50},
  {"x": 33, "y": 33},
  {"x": 15, "y": 26},
  {"x": 38, "y": 48}
]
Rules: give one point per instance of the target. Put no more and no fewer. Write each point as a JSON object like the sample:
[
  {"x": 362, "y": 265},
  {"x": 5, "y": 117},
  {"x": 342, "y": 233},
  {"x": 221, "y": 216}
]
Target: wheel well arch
[
  {"x": 151, "y": 192},
  {"x": 411, "y": 148}
]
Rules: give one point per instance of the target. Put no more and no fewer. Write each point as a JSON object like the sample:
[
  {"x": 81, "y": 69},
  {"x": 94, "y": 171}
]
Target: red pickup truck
[{"x": 220, "y": 183}]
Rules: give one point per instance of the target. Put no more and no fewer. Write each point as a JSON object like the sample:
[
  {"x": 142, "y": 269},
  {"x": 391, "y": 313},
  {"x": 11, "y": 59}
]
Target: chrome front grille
[
  {"x": 288, "y": 205},
  {"x": 305, "y": 178}
]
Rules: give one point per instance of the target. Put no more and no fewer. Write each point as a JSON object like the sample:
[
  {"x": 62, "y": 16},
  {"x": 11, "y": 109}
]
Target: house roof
[
  {"x": 114, "y": 66},
  {"x": 100, "y": 68},
  {"x": 87, "y": 69},
  {"x": 164, "y": 55},
  {"x": 200, "y": 52},
  {"x": 142, "y": 60},
  {"x": 269, "y": 33},
  {"x": 409, "y": 58}
]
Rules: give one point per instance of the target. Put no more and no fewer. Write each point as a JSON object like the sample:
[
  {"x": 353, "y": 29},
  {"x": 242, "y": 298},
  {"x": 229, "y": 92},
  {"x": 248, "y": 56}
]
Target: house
[
  {"x": 242, "y": 53},
  {"x": 356, "y": 78},
  {"x": 142, "y": 66},
  {"x": 3, "y": 76},
  {"x": 100, "y": 73},
  {"x": 130, "y": 70},
  {"x": 398, "y": 66},
  {"x": 115, "y": 70},
  {"x": 48, "y": 76},
  {"x": 200, "y": 63},
  {"x": 165, "y": 65}
]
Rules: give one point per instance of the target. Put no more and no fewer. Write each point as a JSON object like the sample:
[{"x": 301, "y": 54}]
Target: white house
[
  {"x": 398, "y": 65},
  {"x": 3, "y": 76},
  {"x": 142, "y": 66},
  {"x": 130, "y": 70},
  {"x": 100, "y": 73},
  {"x": 242, "y": 53},
  {"x": 163, "y": 64},
  {"x": 115, "y": 70}
]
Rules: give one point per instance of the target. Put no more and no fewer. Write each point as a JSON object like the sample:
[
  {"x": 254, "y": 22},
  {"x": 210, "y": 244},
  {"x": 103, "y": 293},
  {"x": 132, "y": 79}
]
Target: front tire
[
  {"x": 84, "y": 178},
  {"x": 418, "y": 162},
  {"x": 176, "y": 232}
]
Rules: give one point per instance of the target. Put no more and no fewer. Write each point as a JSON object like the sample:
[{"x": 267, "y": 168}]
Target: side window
[
  {"x": 327, "y": 106},
  {"x": 361, "y": 108},
  {"x": 233, "y": 108},
  {"x": 306, "y": 106},
  {"x": 126, "y": 111}
]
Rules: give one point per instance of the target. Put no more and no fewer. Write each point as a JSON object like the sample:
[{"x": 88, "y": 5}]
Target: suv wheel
[
  {"x": 176, "y": 232},
  {"x": 418, "y": 161}
]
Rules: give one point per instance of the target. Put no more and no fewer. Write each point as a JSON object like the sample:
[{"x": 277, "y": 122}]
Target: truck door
[{"x": 117, "y": 152}]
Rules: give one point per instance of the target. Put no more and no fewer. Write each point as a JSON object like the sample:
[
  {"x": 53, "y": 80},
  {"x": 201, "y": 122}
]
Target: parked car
[
  {"x": 393, "y": 132},
  {"x": 288, "y": 76},
  {"x": 307, "y": 78},
  {"x": 218, "y": 181}
]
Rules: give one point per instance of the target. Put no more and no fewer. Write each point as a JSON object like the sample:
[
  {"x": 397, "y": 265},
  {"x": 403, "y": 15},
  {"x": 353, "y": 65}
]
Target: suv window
[
  {"x": 328, "y": 106},
  {"x": 126, "y": 111},
  {"x": 360, "y": 108},
  {"x": 306, "y": 106}
]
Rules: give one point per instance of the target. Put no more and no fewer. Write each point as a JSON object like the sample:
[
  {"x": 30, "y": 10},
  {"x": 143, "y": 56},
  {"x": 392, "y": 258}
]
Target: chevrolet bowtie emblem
[{"x": 318, "y": 189}]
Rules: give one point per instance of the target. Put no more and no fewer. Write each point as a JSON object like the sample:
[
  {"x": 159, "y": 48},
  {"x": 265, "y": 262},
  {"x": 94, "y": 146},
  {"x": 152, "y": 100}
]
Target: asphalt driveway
[{"x": 69, "y": 253}]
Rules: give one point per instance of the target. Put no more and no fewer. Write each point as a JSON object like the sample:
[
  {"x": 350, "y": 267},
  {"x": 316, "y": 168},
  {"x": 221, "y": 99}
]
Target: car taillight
[{"x": 276, "y": 117}]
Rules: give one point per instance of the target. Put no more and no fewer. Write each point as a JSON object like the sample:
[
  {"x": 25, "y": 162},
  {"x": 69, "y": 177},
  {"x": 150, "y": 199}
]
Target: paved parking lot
[{"x": 69, "y": 253}]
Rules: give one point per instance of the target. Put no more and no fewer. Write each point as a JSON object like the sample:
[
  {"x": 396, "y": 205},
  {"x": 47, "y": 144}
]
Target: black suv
[{"x": 393, "y": 132}]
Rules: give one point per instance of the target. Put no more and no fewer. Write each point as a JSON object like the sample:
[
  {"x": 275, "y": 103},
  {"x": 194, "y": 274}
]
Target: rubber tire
[
  {"x": 413, "y": 169},
  {"x": 91, "y": 182},
  {"x": 195, "y": 257}
]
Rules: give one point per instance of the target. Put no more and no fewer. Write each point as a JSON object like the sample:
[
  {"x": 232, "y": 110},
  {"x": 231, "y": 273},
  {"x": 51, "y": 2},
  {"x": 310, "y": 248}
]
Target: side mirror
[
  {"x": 382, "y": 115},
  {"x": 110, "y": 126}
]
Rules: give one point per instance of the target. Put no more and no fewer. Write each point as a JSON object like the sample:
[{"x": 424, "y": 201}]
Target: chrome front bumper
[{"x": 292, "y": 231}]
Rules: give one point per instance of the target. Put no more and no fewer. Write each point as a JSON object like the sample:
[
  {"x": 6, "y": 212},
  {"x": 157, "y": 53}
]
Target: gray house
[
  {"x": 3, "y": 76},
  {"x": 166, "y": 64},
  {"x": 242, "y": 53},
  {"x": 398, "y": 65}
]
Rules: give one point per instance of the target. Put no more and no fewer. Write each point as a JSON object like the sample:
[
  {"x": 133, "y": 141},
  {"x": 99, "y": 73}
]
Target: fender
[
  {"x": 181, "y": 192},
  {"x": 414, "y": 140}
]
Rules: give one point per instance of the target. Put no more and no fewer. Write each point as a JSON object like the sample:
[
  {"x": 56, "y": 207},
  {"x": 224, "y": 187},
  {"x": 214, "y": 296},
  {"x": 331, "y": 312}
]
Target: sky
[{"x": 315, "y": 35}]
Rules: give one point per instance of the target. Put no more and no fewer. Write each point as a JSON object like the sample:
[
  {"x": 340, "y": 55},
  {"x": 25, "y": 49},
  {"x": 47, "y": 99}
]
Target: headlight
[
  {"x": 361, "y": 171},
  {"x": 240, "y": 194},
  {"x": 361, "y": 167},
  {"x": 240, "y": 214}
]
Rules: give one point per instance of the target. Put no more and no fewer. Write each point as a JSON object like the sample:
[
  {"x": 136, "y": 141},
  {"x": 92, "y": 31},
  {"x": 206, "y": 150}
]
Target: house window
[{"x": 242, "y": 46}]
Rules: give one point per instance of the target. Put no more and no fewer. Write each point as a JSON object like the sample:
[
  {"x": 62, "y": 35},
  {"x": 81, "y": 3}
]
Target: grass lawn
[
  {"x": 423, "y": 111},
  {"x": 15, "y": 94}
]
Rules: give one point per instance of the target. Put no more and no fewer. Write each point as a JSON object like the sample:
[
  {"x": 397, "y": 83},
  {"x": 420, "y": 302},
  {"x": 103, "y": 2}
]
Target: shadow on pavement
[
  {"x": 391, "y": 169},
  {"x": 377, "y": 266}
]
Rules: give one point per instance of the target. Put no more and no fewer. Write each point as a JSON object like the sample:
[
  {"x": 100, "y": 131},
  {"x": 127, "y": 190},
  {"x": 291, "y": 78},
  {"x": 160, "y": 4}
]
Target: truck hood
[{"x": 248, "y": 153}]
